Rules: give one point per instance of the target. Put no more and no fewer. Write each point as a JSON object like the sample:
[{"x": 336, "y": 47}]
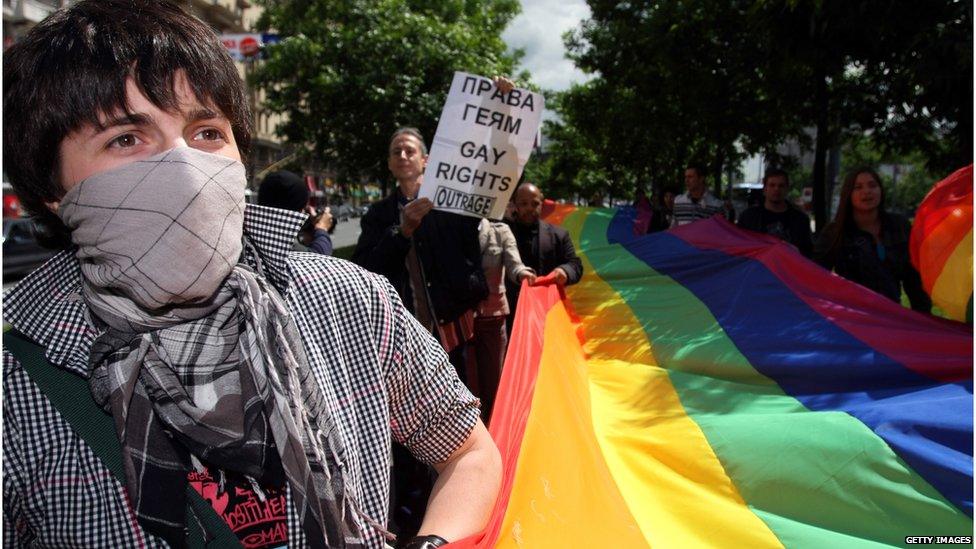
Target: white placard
[{"x": 483, "y": 140}]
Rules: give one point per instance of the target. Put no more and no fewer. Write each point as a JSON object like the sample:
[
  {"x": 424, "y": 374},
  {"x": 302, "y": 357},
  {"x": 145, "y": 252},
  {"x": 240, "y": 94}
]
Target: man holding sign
[{"x": 433, "y": 259}]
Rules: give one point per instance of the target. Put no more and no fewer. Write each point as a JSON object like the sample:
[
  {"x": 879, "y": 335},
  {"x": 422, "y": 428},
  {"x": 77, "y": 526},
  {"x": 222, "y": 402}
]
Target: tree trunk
[
  {"x": 730, "y": 173},
  {"x": 719, "y": 165},
  {"x": 820, "y": 152}
]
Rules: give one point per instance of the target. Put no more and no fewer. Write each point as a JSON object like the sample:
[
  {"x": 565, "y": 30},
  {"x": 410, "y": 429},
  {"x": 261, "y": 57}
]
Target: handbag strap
[{"x": 71, "y": 396}]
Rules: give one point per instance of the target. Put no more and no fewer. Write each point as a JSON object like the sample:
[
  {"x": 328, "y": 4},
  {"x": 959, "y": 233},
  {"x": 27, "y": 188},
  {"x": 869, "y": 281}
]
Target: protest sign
[{"x": 484, "y": 138}]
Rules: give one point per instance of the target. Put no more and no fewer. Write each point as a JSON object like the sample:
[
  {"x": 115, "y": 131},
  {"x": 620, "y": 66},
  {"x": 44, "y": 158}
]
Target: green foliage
[
  {"x": 911, "y": 188},
  {"x": 899, "y": 70},
  {"x": 588, "y": 159},
  {"x": 676, "y": 85},
  {"x": 708, "y": 80},
  {"x": 349, "y": 72}
]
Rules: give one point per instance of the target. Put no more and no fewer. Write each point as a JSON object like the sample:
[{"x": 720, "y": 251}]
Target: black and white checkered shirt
[{"x": 390, "y": 375}]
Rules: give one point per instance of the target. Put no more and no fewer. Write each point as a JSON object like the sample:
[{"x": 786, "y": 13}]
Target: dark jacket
[
  {"x": 795, "y": 228},
  {"x": 321, "y": 242},
  {"x": 555, "y": 249},
  {"x": 857, "y": 259},
  {"x": 448, "y": 250}
]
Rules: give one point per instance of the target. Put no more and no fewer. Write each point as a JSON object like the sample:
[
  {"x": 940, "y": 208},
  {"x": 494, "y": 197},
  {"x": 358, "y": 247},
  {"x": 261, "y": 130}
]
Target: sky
[{"x": 539, "y": 29}]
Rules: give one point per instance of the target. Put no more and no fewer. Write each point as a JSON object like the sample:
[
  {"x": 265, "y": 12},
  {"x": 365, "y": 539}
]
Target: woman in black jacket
[{"x": 868, "y": 245}]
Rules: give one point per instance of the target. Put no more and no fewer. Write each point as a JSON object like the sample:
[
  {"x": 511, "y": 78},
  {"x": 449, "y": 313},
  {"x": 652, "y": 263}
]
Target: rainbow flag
[
  {"x": 942, "y": 244},
  {"x": 710, "y": 387}
]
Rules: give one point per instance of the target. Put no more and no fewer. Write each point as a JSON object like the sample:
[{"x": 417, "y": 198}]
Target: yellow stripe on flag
[
  {"x": 609, "y": 453},
  {"x": 955, "y": 283},
  {"x": 671, "y": 479},
  {"x": 563, "y": 494},
  {"x": 658, "y": 456}
]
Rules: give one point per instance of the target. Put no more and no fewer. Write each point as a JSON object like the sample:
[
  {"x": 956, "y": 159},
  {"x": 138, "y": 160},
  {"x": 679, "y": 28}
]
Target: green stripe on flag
[{"x": 818, "y": 479}]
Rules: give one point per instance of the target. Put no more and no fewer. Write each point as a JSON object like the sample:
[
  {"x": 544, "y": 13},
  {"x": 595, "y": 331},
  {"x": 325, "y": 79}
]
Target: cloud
[{"x": 538, "y": 30}]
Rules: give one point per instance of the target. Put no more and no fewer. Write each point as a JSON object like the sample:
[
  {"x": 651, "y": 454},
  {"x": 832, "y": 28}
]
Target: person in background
[
  {"x": 868, "y": 245},
  {"x": 502, "y": 263},
  {"x": 669, "y": 207},
  {"x": 644, "y": 213},
  {"x": 545, "y": 248},
  {"x": 509, "y": 215},
  {"x": 697, "y": 203},
  {"x": 286, "y": 190},
  {"x": 660, "y": 212},
  {"x": 431, "y": 257},
  {"x": 777, "y": 216}
]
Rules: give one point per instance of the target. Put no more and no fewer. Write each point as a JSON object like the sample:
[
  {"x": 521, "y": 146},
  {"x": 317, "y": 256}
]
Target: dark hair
[
  {"x": 73, "y": 66},
  {"x": 775, "y": 172},
  {"x": 283, "y": 189},
  {"x": 844, "y": 218},
  {"x": 698, "y": 167},
  {"x": 409, "y": 130}
]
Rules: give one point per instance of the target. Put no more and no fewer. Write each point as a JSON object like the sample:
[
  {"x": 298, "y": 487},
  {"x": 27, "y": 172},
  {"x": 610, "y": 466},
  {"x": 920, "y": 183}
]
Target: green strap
[{"x": 71, "y": 396}]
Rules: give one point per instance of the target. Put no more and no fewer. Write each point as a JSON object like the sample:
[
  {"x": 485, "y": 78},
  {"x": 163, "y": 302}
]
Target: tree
[
  {"x": 349, "y": 72},
  {"x": 898, "y": 68},
  {"x": 683, "y": 74},
  {"x": 711, "y": 79}
]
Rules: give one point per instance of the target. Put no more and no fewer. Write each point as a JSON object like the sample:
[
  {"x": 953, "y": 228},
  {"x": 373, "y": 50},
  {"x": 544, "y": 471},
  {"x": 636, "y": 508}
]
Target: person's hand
[
  {"x": 324, "y": 221},
  {"x": 527, "y": 276},
  {"x": 413, "y": 214},
  {"x": 559, "y": 276},
  {"x": 503, "y": 84}
]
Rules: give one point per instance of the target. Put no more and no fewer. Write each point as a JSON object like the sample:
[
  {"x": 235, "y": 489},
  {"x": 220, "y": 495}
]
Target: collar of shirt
[
  {"x": 401, "y": 198},
  {"x": 46, "y": 306},
  {"x": 707, "y": 199}
]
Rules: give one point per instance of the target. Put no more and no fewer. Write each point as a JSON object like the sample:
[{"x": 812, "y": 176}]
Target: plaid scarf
[
  {"x": 200, "y": 356},
  {"x": 229, "y": 388}
]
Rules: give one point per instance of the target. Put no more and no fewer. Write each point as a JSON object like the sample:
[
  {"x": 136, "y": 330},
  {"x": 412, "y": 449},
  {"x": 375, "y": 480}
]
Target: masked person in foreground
[{"x": 270, "y": 384}]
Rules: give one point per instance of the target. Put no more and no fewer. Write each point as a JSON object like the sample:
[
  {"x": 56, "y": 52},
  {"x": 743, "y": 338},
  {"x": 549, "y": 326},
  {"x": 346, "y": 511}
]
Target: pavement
[{"x": 346, "y": 233}]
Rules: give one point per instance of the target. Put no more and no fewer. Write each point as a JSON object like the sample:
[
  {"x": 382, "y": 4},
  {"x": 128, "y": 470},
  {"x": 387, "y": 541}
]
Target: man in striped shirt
[{"x": 698, "y": 202}]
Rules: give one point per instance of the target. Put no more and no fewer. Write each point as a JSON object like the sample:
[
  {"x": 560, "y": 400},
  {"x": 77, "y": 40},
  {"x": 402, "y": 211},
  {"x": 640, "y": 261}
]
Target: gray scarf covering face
[
  {"x": 201, "y": 355},
  {"x": 156, "y": 237}
]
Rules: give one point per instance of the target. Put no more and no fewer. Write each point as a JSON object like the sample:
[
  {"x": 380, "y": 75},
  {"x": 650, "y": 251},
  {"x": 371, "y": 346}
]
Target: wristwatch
[{"x": 424, "y": 542}]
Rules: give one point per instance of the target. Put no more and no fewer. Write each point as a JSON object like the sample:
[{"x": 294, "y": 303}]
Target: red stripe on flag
[
  {"x": 514, "y": 400},
  {"x": 906, "y": 336}
]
